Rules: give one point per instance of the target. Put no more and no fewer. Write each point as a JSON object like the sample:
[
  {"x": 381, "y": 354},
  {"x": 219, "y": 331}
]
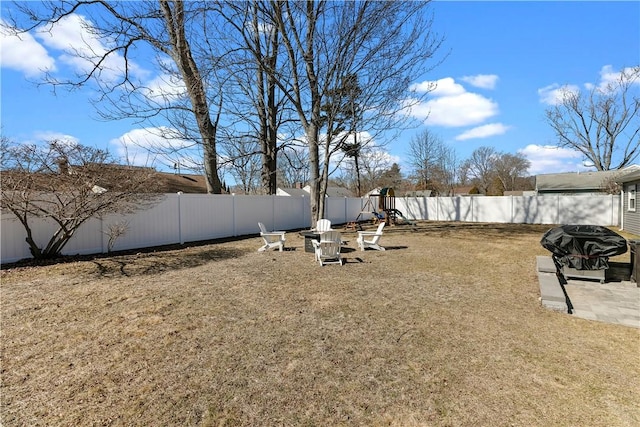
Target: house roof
[
  {"x": 338, "y": 192},
  {"x": 632, "y": 174},
  {"x": 331, "y": 191},
  {"x": 462, "y": 190},
  {"x": 418, "y": 193},
  {"x": 294, "y": 192},
  {"x": 579, "y": 181},
  {"x": 108, "y": 176},
  {"x": 173, "y": 183}
]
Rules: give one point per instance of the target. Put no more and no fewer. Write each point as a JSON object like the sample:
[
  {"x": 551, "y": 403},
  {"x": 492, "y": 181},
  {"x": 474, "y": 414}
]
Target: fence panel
[
  {"x": 492, "y": 209},
  {"x": 335, "y": 209},
  {"x": 291, "y": 212},
  {"x": 249, "y": 210},
  {"x": 205, "y": 216},
  {"x": 88, "y": 239},
  {"x": 454, "y": 209},
  {"x": 13, "y": 247},
  {"x": 354, "y": 206},
  {"x": 187, "y": 218},
  {"x": 599, "y": 210},
  {"x": 415, "y": 207},
  {"x": 156, "y": 226}
]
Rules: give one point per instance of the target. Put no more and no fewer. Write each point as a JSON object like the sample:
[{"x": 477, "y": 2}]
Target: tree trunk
[
  {"x": 317, "y": 204},
  {"x": 358, "y": 183},
  {"x": 196, "y": 90}
]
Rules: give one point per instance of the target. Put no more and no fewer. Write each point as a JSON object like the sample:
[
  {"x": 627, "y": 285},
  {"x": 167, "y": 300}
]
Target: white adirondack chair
[
  {"x": 370, "y": 239},
  {"x": 323, "y": 225},
  {"x": 272, "y": 239},
  {"x": 327, "y": 249}
]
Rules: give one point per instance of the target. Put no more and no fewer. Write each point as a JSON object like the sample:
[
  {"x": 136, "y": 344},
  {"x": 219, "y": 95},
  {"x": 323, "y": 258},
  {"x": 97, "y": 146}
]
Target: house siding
[{"x": 631, "y": 220}]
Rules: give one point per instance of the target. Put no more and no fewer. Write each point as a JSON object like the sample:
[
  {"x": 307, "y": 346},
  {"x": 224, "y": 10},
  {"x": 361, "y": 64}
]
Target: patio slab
[{"x": 617, "y": 301}]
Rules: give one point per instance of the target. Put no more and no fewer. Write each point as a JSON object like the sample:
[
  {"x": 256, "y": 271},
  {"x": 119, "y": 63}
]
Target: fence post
[
  {"x": 512, "y": 213},
  {"x": 473, "y": 214},
  {"x": 180, "y": 234},
  {"x": 102, "y": 234},
  {"x": 273, "y": 212},
  {"x": 345, "y": 209},
  {"x": 233, "y": 214},
  {"x": 304, "y": 221}
]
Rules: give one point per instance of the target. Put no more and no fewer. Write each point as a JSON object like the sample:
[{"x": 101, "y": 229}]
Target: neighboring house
[
  {"x": 630, "y": 215},
  {"x": 111, "y": 177},
  {"x": 306, "y": 191},
  {"x": 185, "y": 183},
  {"x": 293, "y": 192},
  {"x": 418, "y": 193},
  {"x": 338, "y": 192},
  {"x": 586, "y": 183},
  {"x": 462, "y": 190}
]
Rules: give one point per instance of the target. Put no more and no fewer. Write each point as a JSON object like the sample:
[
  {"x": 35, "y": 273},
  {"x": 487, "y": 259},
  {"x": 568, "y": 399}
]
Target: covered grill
[{"x": 583, "y": 250}]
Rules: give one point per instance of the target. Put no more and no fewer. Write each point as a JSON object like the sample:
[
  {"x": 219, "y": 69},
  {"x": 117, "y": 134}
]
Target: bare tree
[
  {"x": 166, "y": 27},
  {"x": 293, "y": 165},
  {"x": 391, "y": 178},
  {"x": 244, "y": 164},
  {"x": 480, "y": 167},
  {"x": 114, "y": 232},
  {"x": 433, "y": 161},
  {"x": 494, "y": 172},
  {"x": 375, "y": 163},
  {"x": 253, "y": 98},
  {"x": 510, "y": 167},
  {"x": 68, "y": 184},
  {"x": 384, "y": 43},
  {"x": 603, "y": 124}
]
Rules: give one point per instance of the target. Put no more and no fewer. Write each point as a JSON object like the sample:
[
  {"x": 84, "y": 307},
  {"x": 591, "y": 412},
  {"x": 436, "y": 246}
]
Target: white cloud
[
  {"x": 48, "y": 136},
  {"x": 465, "y": 109},
  {"x": 23, "y": 53},
  {"x": 483, "y": 81},
  {"x": 483, "y": 131},
  {"x": 165, "y": 88},
  {"x": 154, "y": 146},
  {"x": 554, "y": 93},
  {"x": 447, "y": 87},
  {"x": 610, "y": 79},
  {"x": 608, "y": 76},
  {"x": 71, "y": 32},
  {"x": 422, "y": 87},
  {"x": 451, "y": 105},
  {"x": 552, "y": 159},
  {"x": 80, "y": 47},
  {"x": 377, "y": 158}
]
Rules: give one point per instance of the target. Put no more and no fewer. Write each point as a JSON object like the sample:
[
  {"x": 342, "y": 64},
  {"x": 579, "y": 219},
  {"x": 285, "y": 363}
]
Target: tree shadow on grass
[
  {"x": 444, "y": 229},
  {"x": 142, "y": 264}
]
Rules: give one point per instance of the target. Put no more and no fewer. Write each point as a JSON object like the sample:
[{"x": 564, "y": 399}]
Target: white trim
[{"x": 632, "y": 200}]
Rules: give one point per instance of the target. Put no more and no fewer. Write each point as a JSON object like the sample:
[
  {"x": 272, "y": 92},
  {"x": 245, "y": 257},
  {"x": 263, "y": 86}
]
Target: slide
[{"x": 399, "y": 213}]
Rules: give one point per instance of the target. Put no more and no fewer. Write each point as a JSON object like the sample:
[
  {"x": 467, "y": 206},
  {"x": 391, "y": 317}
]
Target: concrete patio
[{"x": 615, "y": 301}]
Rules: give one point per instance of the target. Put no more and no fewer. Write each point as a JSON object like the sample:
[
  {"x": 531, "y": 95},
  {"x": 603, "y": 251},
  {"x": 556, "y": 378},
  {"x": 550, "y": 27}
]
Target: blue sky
[{"x": 505, "y": 60}]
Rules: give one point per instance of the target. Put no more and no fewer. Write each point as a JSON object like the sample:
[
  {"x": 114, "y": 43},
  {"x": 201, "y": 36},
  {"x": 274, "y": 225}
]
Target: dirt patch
[{"x": 443, "y": 328}]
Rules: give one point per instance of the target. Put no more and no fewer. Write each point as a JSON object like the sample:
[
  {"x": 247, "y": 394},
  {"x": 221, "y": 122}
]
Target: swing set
[{"x": 384, "y": 211}]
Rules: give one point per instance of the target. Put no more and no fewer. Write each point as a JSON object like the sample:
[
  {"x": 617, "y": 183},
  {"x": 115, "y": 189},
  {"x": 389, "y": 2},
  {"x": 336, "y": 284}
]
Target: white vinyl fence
[{"x": 181, "y": 218}]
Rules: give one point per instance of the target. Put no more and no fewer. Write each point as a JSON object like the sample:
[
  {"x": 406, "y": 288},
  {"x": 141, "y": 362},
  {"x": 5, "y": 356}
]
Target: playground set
[{"x": 384, "y": 211}]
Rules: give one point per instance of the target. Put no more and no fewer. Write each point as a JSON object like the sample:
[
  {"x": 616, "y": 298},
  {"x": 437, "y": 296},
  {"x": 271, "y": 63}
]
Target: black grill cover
[{"x": 583, "y": 247}]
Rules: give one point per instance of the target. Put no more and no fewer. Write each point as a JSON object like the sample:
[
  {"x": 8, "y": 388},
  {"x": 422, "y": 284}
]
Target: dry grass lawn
[{"x": 445, "y": 328}]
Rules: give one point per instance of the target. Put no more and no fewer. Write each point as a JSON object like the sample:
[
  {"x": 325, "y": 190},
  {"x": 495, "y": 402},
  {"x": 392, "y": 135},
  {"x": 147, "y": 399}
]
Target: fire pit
[{"x": 583, "y": 251}]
